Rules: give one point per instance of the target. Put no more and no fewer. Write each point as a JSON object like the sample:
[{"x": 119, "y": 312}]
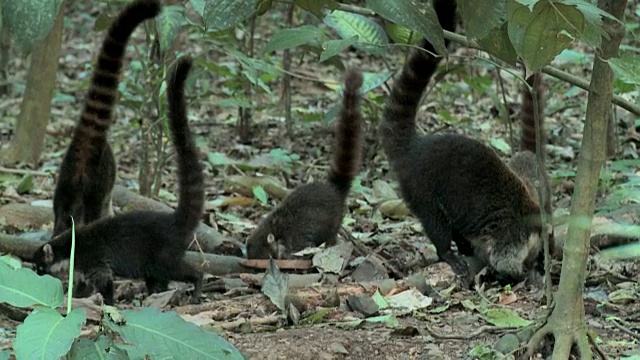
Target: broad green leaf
[
  {"x": 500, "y": 145},
  {"x": 482, "y": 17},
  {"x": 45, "y": 334},
  {"x": 29, "y": 21},
  {"x": 198, "y": 6},
  {"x": 504, "y": 318},
  {"x": 539, "y": 35},
  {"x": 224, "y": 14},
  {"x": 400, "y": 34},
  {"x": 626, "y": 67},
  {"x": 22, "y": 287},
  {"x": 103, "y": 348},
  {"x": 373, "y": 80},
  {"x": 275, "y": 285},
  {"x": 497, "y": 43},
  {"x": 405, "y": 13},
  {"x": 371, "y": 36},
  {"x": 25, "y": 185},
  {"x": 593, "y": 30},
  {"x": 315, "y": 6},
  {"x": 263, "y": 7},
  {"x": 332, "y": 48},
  {"x": 260, "y": 194},
  {"x": 219, "y": 159},
  {"x": 165, "y": 335},
  {"x": 291, "y": 38},
  {"x": 169, "y": 24}
]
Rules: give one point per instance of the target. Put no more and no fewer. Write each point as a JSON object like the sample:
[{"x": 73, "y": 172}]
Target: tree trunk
[
  {"x": 26, "y": 145},
  {"x": 567, "y": 320}
]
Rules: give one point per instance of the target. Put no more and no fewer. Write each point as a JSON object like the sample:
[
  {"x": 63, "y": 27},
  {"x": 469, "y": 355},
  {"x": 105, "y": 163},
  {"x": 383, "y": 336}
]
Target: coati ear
[{"x": 48, "y": 254}]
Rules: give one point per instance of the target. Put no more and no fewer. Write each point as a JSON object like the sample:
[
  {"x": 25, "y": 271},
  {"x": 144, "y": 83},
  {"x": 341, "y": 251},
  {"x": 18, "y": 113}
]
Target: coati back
[
  {"x": 143, "y": 244},
  {"x": 88, "y": 169},
  {"x": 456, "y": 186},
  {"x": 312, "y": 213}
]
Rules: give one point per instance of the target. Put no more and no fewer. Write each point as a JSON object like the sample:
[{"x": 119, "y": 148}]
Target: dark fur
[
  {"x": 88, "y": 169},
  {"x": 143, "y": 244},
  {"x": 312, "y": 213},
  {"x": 457, "y": 187}
]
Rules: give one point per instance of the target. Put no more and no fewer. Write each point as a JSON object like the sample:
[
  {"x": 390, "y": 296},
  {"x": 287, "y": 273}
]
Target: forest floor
[{"x": 457, "y": 324}]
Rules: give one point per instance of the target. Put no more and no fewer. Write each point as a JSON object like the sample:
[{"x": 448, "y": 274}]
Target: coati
[
  {"x": 143, "y": 244},
  {"x": 312, "y": 213},
  {"x": 456, "y": 186},
  {"x": 88, "y": 169}
]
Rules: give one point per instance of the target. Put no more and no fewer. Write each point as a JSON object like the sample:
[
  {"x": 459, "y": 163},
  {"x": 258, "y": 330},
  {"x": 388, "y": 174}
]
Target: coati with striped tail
[
  {"x": 312, "y": 213},
  {"x": 456, "y": 186},
  {"x": 88, "y": 169},
  {"x": 143, "y": 244}
]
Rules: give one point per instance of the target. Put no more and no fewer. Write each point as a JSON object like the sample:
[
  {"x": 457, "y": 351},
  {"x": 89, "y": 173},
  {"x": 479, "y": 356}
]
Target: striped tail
[
  {"x": 347, "y": 151},
  {"x": 190, "y": 178},
  {"x": 399, "y": 117},
  {"x": 98, "y": 109}
]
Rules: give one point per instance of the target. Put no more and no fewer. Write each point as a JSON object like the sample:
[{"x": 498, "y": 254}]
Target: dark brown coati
[
  {"x": 88, "y": 169},
  {"x": 143, "y": 244},
  {"x": 312, "y": 213},
  {"x": 457, "y": 187}
]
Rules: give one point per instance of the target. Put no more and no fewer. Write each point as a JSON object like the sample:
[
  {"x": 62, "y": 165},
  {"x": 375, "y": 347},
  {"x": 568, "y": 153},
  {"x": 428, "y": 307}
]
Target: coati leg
[{"x": 101, "y": 277}]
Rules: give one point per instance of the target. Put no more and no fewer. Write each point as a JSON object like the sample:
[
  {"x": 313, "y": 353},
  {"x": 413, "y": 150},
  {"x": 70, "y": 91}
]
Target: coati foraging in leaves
[
  {"x": 456, "y": 186},
  {"x": 312, "y": 213},
  {"x": 143, "y": 244},
  {"x": 88, "y": 169}
]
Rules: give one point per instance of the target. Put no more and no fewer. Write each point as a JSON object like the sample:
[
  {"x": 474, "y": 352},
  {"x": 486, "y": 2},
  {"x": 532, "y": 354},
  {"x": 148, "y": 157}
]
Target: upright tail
[
  {"x": 347, "y": 150},
  {"x": 98, "y": 108},
  {"x": 527, "y": 115},
  {"x": 190, "y": 177},
  {"x": 399, "y": 117}
]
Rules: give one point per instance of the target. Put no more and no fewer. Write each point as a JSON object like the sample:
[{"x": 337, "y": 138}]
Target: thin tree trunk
[
  {"x": 567, "y": 319},
  {"x": 26, "y": 145}
]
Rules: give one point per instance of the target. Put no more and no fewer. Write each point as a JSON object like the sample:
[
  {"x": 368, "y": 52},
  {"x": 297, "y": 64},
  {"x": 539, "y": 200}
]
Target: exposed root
[{"x": 566, "y": 340}]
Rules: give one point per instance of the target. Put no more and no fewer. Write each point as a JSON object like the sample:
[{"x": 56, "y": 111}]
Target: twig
[
  {"x": 625, "y": 330},
  {"x": 470, "y": 336},
  {"x": 23, "y": 172},
  {"x": 595, "y": 345}
]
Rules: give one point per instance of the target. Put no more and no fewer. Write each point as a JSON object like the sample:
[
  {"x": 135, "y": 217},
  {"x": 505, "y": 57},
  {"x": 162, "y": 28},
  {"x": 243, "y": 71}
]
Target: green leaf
[
  {"x": 198, "y": 6},
  {"x": 275, "y": 285},
  {"x": 373, "y": 80},
  {"x": 332, "y": 48},
  {"x": 219, "y": 159},
  {"x": 497, "y": 43},
  {"x": 539, "y": 35},
  {"x": 371, "y": 36},
  {"x": 626, "y": 67},
  {"x": 315, "y": 6},
  {"x": 482, "y": 17},
  {"x": 500, "y": 145},
  {"x": 29, "y": 21},
  {"x": 22, "y": 287},
  {"x": 224, "y": 14},
  {"x": 45, "y": 334},
  {"x": 400, "y": 34},
  {"x": 103, "y": 348},
  {"x": 504, "y": 318},
  {"x": 165, "y": 335},
  {"x": 25, "y": 185},
  {"x": 260, "y": 194},
  {"x": 594, "y": 31},
  {"x": 169, "y": 24},
  {"x": 405, "y": 13},
  {"x": 291, "y": 38}
]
